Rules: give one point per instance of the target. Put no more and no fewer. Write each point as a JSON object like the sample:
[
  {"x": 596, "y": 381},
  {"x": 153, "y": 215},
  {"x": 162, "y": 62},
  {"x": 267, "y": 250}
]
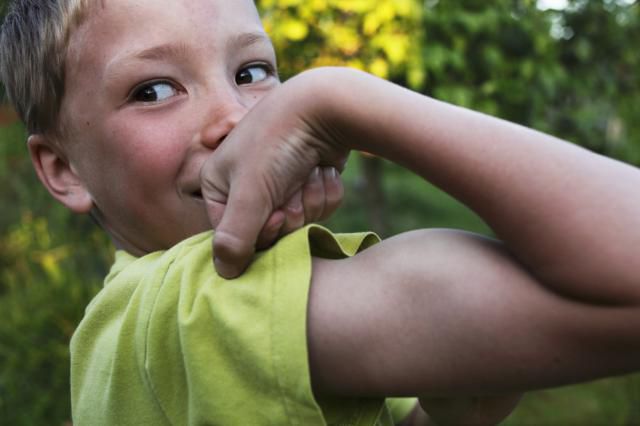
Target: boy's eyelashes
[
  {"x": 254, "y": 73},
  {"x": 153, "y": 91}
]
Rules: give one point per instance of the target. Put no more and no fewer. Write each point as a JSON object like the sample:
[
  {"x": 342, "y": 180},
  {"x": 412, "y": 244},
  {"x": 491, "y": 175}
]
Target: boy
[{"x": 165, "y": 117}]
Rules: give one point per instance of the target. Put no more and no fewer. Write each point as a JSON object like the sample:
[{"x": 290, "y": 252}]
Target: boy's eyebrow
[
  {"x": 179, "y": 50},
  {"x": 154, "y": 53},
  {"x": 248, "y": 39}
]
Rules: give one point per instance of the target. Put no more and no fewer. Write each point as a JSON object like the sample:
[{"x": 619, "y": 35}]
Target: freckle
[{"x": 88, "y": 123}]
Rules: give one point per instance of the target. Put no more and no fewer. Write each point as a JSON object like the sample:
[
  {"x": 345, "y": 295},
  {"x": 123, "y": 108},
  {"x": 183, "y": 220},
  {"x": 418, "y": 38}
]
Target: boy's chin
[{"x": 189, "y": 230}]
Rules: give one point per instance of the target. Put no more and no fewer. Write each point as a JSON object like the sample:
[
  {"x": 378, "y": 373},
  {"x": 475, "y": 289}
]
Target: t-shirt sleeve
[{"x": 215, "y": 351}]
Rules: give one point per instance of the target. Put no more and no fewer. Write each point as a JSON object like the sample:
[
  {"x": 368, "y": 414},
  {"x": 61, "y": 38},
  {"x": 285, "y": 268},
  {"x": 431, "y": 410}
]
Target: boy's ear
[{"x": 57, "y": 175}]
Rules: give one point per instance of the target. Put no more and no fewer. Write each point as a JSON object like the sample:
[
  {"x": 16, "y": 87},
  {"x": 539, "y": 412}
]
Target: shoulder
[{"x": 175, "y": 324}]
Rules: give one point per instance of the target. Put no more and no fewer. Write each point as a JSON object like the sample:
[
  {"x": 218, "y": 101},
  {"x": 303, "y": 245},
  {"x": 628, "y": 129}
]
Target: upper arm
[{"x": 448, "y": 313}]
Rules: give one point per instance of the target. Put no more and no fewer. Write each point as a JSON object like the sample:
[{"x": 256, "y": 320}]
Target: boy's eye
[
  {"x": 252, "y": 74},
  {"x": 154, "y": 92}
]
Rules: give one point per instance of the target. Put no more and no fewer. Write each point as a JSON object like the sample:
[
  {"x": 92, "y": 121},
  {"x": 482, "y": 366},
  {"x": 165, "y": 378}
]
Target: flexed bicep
[{"x": 447, "y": 313}]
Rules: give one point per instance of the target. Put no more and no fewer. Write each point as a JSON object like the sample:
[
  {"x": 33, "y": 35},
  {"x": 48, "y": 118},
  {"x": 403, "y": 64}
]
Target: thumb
[{"x": 235, "y": 238}]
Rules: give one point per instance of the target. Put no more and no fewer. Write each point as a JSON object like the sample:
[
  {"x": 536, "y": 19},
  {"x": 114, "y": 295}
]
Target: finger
[
  {"x": 244, "y": 217},
  {"x": 333, "y": 191},
  {"x": 271, "y": 230},
  {"x": 313, "y": 196},
  {"x": 294, "y": 213},
  {"x": 341, "y": 162}
]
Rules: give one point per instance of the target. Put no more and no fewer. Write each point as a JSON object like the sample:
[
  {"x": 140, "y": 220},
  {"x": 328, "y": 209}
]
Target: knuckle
[{"x": 232, "y": 249}]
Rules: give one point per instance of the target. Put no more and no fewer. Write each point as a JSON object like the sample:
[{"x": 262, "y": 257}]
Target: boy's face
[{"x": 153, "y": 86}]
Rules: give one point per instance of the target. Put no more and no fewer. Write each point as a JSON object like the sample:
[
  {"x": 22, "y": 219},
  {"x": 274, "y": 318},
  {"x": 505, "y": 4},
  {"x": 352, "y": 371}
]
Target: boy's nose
[{"x": 220, "y": 121}]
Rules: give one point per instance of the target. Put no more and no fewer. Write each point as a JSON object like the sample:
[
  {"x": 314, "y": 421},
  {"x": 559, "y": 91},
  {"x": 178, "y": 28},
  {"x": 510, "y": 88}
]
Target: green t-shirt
[{"x": 168, "y": 341}]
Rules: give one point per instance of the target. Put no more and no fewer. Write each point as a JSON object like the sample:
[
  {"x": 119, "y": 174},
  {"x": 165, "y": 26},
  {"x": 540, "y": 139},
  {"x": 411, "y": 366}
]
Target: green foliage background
[{"x": 572, "y": 72}]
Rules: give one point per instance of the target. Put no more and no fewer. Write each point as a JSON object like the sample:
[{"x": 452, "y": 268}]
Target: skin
[
  {"x": 553, "y": 302},
  {"x": 152, "y": 92}
]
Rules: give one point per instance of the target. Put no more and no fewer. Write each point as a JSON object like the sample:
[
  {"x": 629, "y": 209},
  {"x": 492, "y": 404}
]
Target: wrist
[
  {"x": 358, "y": 111},
  {"x": 329, "y": 100}
]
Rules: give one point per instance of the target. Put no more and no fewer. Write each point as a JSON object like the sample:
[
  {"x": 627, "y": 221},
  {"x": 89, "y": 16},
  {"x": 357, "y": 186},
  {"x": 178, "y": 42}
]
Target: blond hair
[{"x": 33, "y": 49}]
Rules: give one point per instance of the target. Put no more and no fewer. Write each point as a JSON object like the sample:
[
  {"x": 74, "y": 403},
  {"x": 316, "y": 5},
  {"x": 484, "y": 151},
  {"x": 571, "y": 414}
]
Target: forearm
[{"x": 567, "y": 214}]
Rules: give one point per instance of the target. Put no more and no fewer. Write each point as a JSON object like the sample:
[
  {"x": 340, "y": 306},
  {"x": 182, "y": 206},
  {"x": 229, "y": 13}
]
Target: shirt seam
[{"x": 145, "y": 368}]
